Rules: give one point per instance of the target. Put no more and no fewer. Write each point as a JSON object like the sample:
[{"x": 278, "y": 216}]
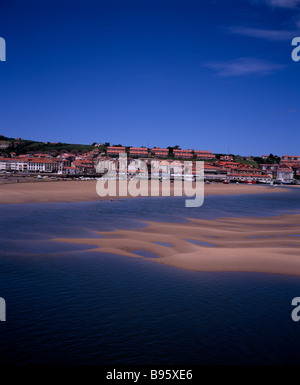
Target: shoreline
[
  {"x": 248, "y": 244},
  {"x": 83, "y": 191}
]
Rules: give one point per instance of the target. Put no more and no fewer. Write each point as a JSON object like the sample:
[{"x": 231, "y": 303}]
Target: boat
[{"x": 249, "y": 181}]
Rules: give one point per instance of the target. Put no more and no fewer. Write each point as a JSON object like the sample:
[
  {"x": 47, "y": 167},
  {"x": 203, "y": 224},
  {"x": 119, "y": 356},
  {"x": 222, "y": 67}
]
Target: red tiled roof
[
  {"x": 251, "y": 175},
  {"x": 37, "y": 160},
  {"x": 291, "y": 156},
  {"x": 181, "y": 151}
]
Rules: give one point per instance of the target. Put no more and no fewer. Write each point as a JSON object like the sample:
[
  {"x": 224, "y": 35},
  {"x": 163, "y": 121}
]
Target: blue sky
[{"x": 207, "y": 75}]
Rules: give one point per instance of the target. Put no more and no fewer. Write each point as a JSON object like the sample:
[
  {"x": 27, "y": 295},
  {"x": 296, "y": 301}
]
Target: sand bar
[
  {"x": 75, "y": 191},
  {"x": 269, "y": 245}
]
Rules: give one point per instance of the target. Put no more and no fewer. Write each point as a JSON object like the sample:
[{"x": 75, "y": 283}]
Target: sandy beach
[
  {"x": 73, "y": 191},
  {"x": 269, "y": 245}
]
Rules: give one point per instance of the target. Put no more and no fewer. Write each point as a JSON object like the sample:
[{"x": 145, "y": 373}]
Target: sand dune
[{"x": 268, "y": 245}]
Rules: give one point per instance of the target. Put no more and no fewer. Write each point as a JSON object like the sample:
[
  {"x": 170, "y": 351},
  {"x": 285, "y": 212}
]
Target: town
[{"x": 20, "y": 162}]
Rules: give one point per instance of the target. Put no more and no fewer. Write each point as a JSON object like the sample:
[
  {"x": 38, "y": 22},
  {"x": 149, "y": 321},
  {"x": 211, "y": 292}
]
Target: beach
[
  {"x": 79, "y": 191},
  {"x": 262, "y": 245}
]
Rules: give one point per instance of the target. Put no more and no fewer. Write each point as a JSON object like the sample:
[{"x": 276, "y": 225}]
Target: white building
[
  {"x": 250, "y": 177},
  {"x": 42, "y": 165},
  {"x": 70, "y": 170},
  {"x": 285, "y": 174},
  {"x": 13, "y": 164}
]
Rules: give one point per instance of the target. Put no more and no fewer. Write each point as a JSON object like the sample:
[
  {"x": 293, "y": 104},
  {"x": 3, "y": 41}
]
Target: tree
[{"x": 258, "y": 159}]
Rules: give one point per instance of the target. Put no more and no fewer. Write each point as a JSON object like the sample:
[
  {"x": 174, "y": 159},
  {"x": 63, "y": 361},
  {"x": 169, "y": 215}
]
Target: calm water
[{"x": 65, "y": 305}]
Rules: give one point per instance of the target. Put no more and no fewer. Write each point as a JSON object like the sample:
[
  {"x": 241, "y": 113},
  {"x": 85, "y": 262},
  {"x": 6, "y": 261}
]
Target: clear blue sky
[{"x": 207, "y": 75}]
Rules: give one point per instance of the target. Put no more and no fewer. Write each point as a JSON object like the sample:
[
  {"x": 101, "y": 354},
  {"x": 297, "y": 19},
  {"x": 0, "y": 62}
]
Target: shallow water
[
  {"x": 67, "y": 305},
  {"x": 196, "y": 242}
]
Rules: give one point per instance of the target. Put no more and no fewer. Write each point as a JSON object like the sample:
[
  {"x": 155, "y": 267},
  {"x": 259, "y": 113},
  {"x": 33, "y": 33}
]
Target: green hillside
[{"x": 24, "y": 146}]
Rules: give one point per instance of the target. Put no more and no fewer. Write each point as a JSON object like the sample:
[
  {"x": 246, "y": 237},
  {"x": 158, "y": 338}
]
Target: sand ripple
[{"x": 268, "y": 245}]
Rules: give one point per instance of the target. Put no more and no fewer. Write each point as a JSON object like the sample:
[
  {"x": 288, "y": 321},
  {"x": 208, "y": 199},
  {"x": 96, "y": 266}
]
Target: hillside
[{"x": 24, "y": 146}]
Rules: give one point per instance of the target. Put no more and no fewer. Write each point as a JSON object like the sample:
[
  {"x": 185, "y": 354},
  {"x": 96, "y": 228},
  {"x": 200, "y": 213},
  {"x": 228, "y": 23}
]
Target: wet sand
[
  {"x": 74, "y": 191},
  {"x": 269, "y": 245}
]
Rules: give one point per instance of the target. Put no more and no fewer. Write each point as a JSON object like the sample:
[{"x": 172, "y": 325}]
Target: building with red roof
[
  {"x": 138, "y": 151},
  {"x": 204, "y": 155},
  {"x": 42, "y": 165},
  {"x": 183, "y": 154},
  {"x": 115, "y": 150},
  {"x": 285, "y": 174},
  {"x": 160, "y": 152}
]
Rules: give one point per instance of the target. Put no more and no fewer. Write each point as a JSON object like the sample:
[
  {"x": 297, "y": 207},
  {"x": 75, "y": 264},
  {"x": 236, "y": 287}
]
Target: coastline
[
  {"x": 261, "y": 245},
  {"x": 80, "y": 191}
]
